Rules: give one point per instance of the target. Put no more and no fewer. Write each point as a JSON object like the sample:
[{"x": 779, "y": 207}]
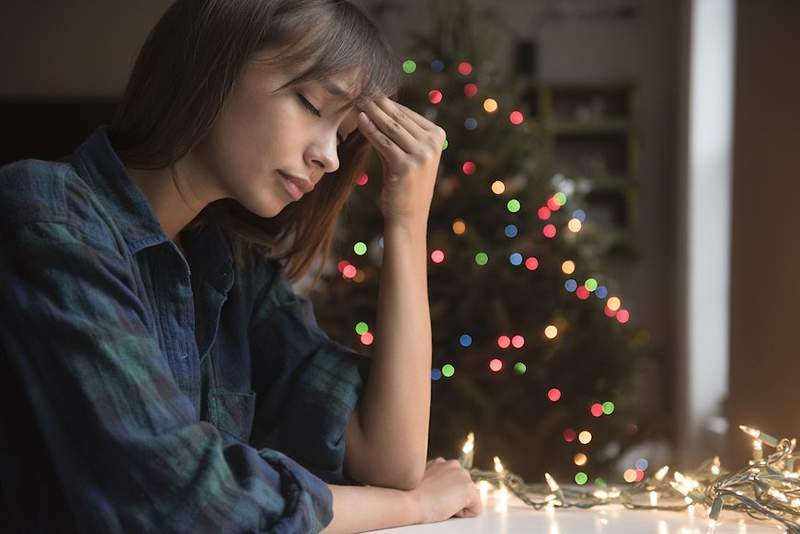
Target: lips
[{"x": 296, "y": 187}]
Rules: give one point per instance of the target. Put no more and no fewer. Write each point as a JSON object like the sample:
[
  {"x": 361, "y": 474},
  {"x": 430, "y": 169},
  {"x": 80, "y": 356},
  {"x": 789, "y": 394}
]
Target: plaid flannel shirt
[{"x": 148, "y": 391}]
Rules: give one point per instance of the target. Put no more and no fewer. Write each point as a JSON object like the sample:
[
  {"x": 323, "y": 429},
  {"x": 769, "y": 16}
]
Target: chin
[{"x": 267, "y": 208}]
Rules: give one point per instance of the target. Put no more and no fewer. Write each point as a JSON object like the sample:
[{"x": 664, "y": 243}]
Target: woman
[{"x": 161, "y": 374}]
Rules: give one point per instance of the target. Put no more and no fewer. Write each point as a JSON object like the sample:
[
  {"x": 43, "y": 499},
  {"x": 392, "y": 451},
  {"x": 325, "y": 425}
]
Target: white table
[{"x": 517, "y": 518}]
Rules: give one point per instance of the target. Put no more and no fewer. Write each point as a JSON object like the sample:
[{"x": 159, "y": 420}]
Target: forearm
[
  {"x": 362, "y": 508},
  {"x": 395, "y": 408}
]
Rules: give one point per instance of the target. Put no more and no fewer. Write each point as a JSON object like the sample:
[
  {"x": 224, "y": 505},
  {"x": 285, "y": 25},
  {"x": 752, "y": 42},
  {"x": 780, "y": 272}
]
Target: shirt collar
[
  {"x": 98, "y": 164},
  {"x": 100, "y": 167}
]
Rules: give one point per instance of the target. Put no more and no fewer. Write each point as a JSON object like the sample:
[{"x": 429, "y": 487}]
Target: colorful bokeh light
[{"x": 409, "y": 66}]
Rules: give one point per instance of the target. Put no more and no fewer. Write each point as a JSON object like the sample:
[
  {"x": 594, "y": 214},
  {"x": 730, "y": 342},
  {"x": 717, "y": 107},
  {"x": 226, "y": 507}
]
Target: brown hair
[{"x": 186, "y": 68}]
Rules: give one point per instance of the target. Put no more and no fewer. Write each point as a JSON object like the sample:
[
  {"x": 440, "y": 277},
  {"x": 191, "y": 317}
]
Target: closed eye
[{"x": 310, "y": 107}]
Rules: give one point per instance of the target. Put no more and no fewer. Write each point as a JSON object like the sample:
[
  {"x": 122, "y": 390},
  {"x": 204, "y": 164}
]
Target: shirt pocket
[{"x": 232, "y": 412}]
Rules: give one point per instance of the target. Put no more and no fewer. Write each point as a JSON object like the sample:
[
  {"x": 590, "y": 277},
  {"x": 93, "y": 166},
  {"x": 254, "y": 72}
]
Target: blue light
[
  {"x": 571, "y": 285},
  {"x": 515, "y": 258},
  {"x": 470, "y": 123},
  {"x": 602, "y": 292},
  {"x": 436, "y": 374},
  {"x": 579, "y": 214},
  {"x": 641, "y": 464},
  {"x": 511, "y": 230},
  {"x": 465, "y": 340},
  {"x": 437, "y": 65}
]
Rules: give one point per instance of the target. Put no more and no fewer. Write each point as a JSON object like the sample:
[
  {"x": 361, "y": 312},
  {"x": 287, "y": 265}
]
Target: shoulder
[{"x": 35, "y": 191}]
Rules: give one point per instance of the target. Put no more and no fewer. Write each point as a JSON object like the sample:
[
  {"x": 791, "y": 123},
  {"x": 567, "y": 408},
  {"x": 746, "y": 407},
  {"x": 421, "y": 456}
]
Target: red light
[
  {"x": 349, "y": 271},
  {"x": 639, "y": 475},
  {"x": 464, "y": 68},
  {"x": 434, "y": 96},
  {"x": 342, "y": 264},
  {"x": 516, "y": 117},
  {"x": 367, "y": 338},
  {"x": 469, "y": 167},
  {"x": 437, "y": 256},
  {"x": 543, "y": 213},
  {"x": 582, "y": 293},
  {"x": 552, "y": 204},
  {"x": 597, "y": 409},
  {"x": 517, "y": 341},
  {"x": 470, "y": 89},
  {"x": 549, "y": 231},
  {"x": 632, "y": 428},
  {"x": 623, "y": 316},
  {"x": 363, "y": 179},
  {"x": 570, "y": 435},
  {"x": 495, "y": 365},
  {"x": 532, "y": 263},
  {"x": 554, "y": 395},
  {"x": 609, "y": 312},
  {"x": 503, "y": 342}
]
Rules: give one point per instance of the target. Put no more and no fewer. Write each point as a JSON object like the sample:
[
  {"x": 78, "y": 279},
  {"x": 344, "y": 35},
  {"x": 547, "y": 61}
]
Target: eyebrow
[{"x": 338, "y": 93}]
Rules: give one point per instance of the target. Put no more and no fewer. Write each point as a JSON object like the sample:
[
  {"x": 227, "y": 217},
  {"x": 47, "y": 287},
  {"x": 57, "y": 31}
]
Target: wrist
[{"x": 406, "y": 230}]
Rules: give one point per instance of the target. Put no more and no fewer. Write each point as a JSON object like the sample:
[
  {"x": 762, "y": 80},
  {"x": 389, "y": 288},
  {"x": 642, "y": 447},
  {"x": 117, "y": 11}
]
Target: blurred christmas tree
[{"x": 531, "y": 350}]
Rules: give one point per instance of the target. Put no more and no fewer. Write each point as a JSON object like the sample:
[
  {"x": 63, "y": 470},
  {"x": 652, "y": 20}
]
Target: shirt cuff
[{"x": 309, "y": 501}]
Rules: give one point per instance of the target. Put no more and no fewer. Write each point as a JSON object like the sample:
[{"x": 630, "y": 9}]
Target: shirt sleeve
[
  {"x": 308, "y": 384},
  {"x": 125, "y": 442}
]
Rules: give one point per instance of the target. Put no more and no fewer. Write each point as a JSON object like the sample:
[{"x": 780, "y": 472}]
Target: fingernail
[{"x": 363, "y": 118}]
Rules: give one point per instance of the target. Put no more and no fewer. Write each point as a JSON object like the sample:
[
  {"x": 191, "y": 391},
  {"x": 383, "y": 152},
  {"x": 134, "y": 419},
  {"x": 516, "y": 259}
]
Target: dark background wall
[{"x": 765, "y": 262}]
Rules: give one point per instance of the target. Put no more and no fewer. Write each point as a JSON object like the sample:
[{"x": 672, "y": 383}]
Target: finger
[
  {"x": 390, "y": 127},
  {"x": 421, "y": 121},
  {"x": 385, "y": 146},
  {"x": 395, "y": 111}
]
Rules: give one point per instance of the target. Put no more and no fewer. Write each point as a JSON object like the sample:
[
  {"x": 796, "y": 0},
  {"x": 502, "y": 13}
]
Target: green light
[
  {"x": 513, "y": 205},
  {"x": 360, "y": 248},
  {"x": 600, "y": 483},
  {"x": 409, "y": 66},
  {"x": 362, "y": 328},
  {"x": 608, "y": 407},
  {"x": 445, "y": 145},
  {"x": 590, "y": 284},
  {"x": 448, "y": 370},
  {"x": 520, "y": 368},
  {"x": 481, "y": 258},
  {"x": 561, "y": 198},
  {"x": 581, "y": 478}
]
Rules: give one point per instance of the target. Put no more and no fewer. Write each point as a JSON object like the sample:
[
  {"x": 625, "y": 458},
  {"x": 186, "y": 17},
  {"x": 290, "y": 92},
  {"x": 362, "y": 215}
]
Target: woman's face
[{"x": 261, "y": 135}]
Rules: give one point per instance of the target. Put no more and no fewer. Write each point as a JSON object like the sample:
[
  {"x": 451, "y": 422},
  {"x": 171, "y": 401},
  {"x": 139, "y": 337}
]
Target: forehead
[{"x": 343, "y": 82}]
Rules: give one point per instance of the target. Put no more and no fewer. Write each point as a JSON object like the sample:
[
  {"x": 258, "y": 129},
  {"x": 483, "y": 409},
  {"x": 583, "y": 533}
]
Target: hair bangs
[{"x": 346, "y": 42}]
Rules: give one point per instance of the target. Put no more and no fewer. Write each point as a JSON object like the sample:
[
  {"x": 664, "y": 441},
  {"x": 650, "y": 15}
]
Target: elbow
[{"x": 405, "y": 479}]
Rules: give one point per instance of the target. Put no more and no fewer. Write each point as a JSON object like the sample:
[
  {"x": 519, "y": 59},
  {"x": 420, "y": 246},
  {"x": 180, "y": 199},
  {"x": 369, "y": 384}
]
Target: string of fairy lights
[{"x": 767, "y": 488}]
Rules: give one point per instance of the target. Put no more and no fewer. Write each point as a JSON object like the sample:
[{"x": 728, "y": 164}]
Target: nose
[{"x": 323, "y": 154}]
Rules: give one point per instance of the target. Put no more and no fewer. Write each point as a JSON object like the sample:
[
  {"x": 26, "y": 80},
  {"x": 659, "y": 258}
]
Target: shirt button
[{"x": 183, "y": 355}]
